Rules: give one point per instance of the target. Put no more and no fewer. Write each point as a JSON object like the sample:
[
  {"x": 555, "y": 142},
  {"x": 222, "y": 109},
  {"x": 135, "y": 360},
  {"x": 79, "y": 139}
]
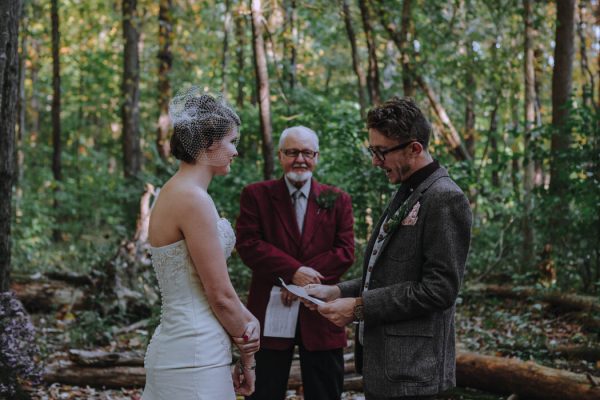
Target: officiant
[{"x": 300, "y": 230}]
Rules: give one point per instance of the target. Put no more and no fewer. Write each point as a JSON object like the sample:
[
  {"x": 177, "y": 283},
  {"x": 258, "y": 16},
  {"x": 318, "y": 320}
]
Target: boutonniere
[
  {"x": 401, "y": 216},
  {"x": 326, "y": 199}
]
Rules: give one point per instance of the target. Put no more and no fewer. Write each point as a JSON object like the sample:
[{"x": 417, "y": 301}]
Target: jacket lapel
[
  {"x": 283, "y": 208},
  {"x": 413, "y": 199}
]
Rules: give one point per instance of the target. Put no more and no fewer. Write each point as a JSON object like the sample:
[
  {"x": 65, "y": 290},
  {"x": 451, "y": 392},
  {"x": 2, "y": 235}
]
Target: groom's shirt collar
[{"x": 420, "y": 175}]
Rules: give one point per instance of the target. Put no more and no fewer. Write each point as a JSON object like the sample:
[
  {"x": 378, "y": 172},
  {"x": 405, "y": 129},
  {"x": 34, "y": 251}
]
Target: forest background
[{"x": 512, "y": 88}]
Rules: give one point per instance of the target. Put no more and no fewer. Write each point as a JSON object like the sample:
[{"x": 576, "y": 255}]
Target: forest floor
[{"x": 484, "y": 324}]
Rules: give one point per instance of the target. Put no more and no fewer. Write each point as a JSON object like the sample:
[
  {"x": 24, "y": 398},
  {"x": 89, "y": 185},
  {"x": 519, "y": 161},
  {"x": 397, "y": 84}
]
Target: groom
[
  {"x": 413, "y": 267},
  {"x": 302, "y": 231}
]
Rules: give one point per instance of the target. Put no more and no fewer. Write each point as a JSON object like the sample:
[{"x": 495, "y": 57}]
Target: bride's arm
[{"x": 196, "y": 219}]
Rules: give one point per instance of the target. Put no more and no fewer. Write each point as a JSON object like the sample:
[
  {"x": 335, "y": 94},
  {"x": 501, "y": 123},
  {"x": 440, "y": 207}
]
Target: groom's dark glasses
[{"x": 380, "y": 154}]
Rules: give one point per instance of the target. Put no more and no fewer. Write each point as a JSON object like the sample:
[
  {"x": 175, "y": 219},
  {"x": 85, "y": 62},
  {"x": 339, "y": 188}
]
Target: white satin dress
[{"x": 189, "y": 355}]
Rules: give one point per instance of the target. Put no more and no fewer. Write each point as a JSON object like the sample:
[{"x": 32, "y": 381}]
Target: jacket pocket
[
  {"x": 403, "y": 245},
  {"x": 409, "y": 351}
]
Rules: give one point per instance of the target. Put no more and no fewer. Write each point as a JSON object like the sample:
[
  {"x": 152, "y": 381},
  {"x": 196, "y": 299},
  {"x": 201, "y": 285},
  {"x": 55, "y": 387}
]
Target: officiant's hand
[
  {"x": 287, "y": 297},
  {"x": 305, "y": 275},
  {"x": 340, "y": 311}
]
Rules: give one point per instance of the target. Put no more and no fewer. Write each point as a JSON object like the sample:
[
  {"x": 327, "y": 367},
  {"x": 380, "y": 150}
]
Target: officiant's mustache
[{"x": 300, "y": 165}]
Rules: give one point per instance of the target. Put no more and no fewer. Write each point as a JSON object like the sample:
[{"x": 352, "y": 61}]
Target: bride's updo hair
[{"x": 199, "y": 120}]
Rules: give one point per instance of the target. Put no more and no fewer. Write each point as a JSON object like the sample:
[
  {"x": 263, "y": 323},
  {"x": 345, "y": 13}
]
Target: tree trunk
[
  {"x": 56, "y": 154},
  {"x": 165, "y": 61},
  {"x": 373, "y": 71},
  {"x": 132, "y": 156},
  {"x": 525, "y": 379},
  {"x": 561, "y": 91},
  {"x": 290, "y": 42},
  {"x": 457, "y": 146},
  {"x": 21, "y": 110},
  {"x": 240, "y": 34},
  {"x": 10, "y": 12},
  {"x": 360, "y": 75},
  {"x": 262, "y": 84},
  {"x": 225, "y": 55},
  {"x": 589, "y": 85},
  {"x": 401, "y": 40},
  {"x": 528, "y": 247},
  {"x": 407, "y": 82}
]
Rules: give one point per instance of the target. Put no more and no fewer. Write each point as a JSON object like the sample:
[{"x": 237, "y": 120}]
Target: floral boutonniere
[
  {"x": 326, "y": 199},
  {"x": 401, "y": 216}
]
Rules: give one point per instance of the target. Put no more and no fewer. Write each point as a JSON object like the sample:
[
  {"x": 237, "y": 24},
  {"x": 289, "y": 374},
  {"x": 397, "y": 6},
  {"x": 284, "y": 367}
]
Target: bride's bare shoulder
[{"x": 178, "y": 195}]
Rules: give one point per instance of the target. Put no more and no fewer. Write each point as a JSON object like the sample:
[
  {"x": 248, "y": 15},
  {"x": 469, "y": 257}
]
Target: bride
[{"x": 189, "y": 355}]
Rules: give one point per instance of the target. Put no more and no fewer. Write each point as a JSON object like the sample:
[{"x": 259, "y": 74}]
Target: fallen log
[
  {"x": 101, "y": 359},
  {"x": 578, "y": 352},
  {"x": 69, "y": 373},
  {"x": 524, "y": 378},
  {"x": 567, "y": 301},
  {"x": 42, "y": 296}
]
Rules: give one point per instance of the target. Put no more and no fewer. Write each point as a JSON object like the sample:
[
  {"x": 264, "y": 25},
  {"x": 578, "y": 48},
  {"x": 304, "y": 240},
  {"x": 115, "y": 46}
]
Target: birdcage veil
[{"x": 200, "y": 120}]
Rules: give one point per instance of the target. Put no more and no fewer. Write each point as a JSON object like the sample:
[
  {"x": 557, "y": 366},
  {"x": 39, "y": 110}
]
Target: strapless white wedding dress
[{"x": 189, "y": 355}]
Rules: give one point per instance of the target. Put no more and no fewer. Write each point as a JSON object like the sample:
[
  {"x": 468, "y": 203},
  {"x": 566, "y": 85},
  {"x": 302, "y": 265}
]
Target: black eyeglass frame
[
  {"x": 308, "y": 154},
  {"x": 380, "y": 154}
]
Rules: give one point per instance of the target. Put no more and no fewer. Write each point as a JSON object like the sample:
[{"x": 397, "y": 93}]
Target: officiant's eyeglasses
[
  {"x": 380, "y": 153},
  {"x": 293, "y": 153}
]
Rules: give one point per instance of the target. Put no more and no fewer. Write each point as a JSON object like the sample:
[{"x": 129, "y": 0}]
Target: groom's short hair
[{"x": 401, "y": 119}]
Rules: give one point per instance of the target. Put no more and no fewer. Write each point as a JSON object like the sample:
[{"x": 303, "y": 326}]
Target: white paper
[
  {"x": 280, "y": 320},
  {"x": 301, "y": 292}
]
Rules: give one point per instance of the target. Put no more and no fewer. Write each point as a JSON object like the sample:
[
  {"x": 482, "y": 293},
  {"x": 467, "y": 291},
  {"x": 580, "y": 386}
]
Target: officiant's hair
[
  {"x": 199, "y": 119},
  {"x": 401, "y": 119},
  {"x": 301, "y": 129}
]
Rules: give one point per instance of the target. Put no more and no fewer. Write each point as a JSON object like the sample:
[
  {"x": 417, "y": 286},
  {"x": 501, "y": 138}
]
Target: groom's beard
[{"x": 299, "y": 178}]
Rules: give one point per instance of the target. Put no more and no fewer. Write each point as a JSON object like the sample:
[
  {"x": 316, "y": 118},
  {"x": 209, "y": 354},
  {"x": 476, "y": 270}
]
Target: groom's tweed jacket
[{"x": 408, "y": 347}]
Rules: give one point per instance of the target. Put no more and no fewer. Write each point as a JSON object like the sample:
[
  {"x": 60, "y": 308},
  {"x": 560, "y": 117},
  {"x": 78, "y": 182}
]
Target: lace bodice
[{"x": 187, "y": 321}]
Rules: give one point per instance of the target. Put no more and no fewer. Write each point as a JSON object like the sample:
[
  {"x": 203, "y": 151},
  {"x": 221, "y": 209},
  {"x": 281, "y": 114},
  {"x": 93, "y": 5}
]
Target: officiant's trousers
[{"x": 322, "y": 373}]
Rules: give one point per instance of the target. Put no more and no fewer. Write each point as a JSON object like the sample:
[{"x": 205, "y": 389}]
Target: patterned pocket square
[{"x": 412, "y": 217}]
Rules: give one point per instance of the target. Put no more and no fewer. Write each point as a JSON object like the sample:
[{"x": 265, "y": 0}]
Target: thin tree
[
  {"x": 449, "y": 131},
  {"x": 292, "y": 20},
  {"x": 373, "y": 71},
  {"x": 130, "y": 111},
  {"x": 407, "y": 81},
  {"x": 165, "y": 62},
  {"x": 240, "y": 35},
  {"x": 262, "y": 85},
  {"x": 562, "y": 78},
  {"x": 10, "y": 12},
  {"x": 56, "y": 105},
  {"x": 361, "y": 80},
  {"x": 21, "y": 107},
  {"x": 225, "y": 56},
  {"x": 56, "y": 144},
  {"x": 528, "y": 251},
  {"x": 586, "y": 72}
]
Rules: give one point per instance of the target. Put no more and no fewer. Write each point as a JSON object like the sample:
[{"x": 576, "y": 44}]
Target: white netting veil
[{"x": 201, "y": 121}]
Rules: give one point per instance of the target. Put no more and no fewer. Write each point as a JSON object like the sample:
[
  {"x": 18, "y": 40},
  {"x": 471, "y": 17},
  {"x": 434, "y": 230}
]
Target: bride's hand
[
  {"x": 245, "y": 379},
  {"x": 249, "y": 342}
]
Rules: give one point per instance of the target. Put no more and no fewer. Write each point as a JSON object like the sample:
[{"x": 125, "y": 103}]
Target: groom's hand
[
  {"x": 340, "y": 311},
  {"x": 305, "y": 275}
]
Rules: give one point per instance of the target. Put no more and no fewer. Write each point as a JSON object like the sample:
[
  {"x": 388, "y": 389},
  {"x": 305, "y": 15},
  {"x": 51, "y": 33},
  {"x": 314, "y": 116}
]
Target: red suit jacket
[{"x": 270, "y": 243}]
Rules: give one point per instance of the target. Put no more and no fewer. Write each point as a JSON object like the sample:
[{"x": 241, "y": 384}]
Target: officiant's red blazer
[{"x": 269, "y": 242}]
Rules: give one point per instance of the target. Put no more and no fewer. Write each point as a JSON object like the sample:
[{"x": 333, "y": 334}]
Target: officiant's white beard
[{"x": 296, "y": 177}]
